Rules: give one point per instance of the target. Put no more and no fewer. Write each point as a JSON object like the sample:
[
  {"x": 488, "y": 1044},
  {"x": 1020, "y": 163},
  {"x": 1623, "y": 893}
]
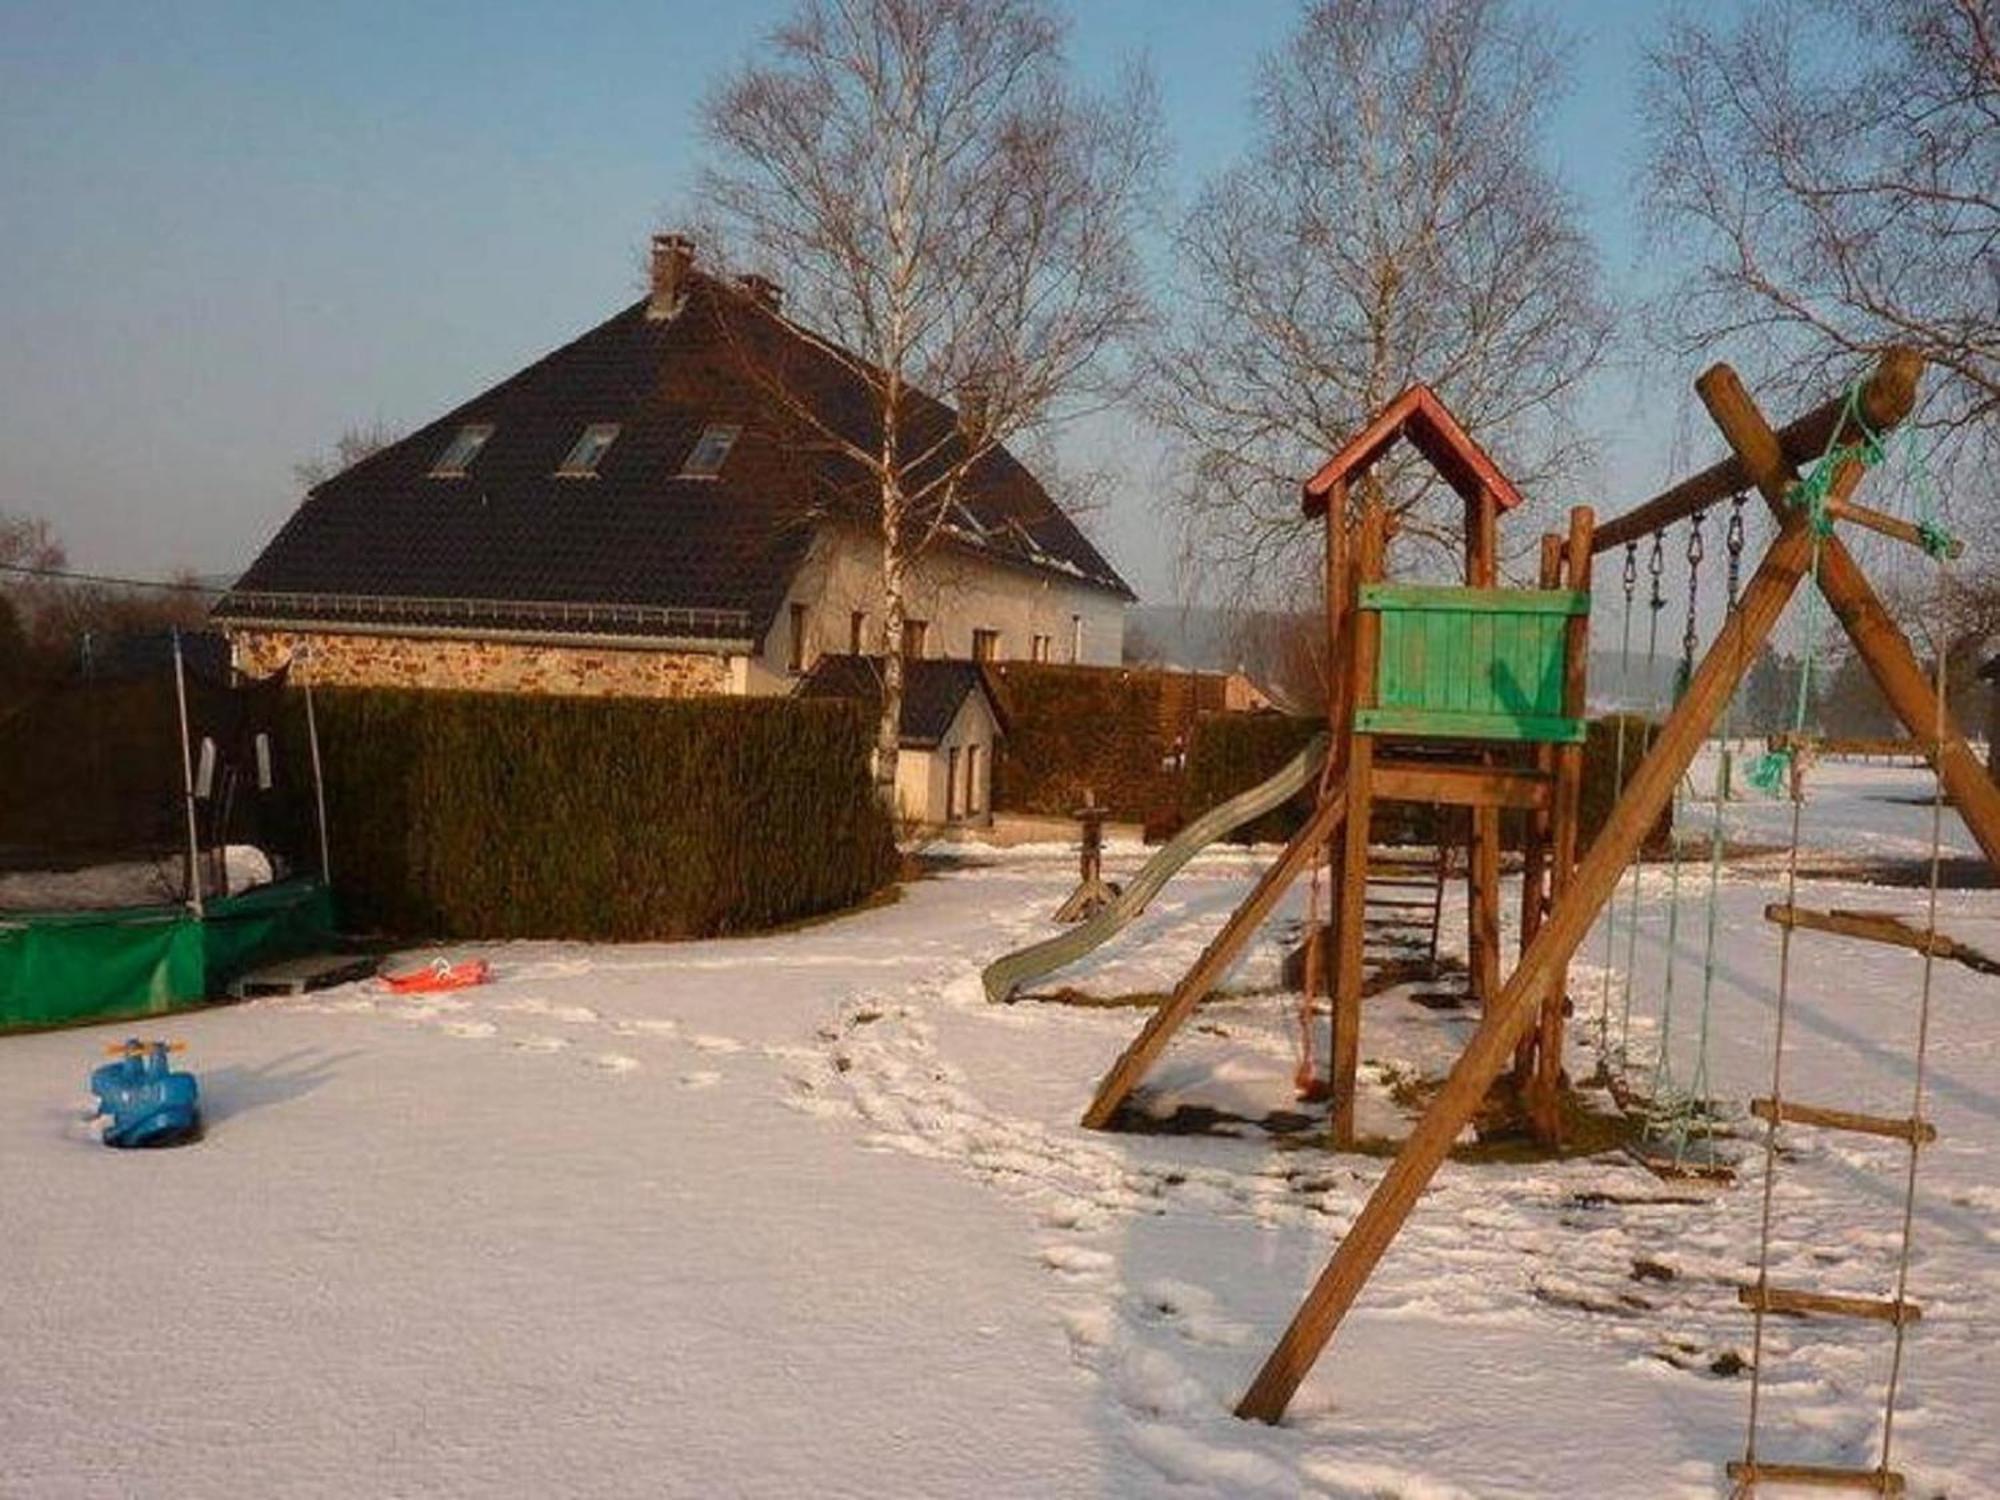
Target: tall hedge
[
  {"x": 1230, "y": 753},
  {"x": 495, "y": 816},
  {"x": 1072, "y": 730}
]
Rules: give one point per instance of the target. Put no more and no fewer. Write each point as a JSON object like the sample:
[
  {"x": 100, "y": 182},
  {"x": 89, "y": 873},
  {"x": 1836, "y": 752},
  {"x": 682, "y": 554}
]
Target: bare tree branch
[
  {"x": 950, "y": 209},
  {"x": 1388, "y": 225}
]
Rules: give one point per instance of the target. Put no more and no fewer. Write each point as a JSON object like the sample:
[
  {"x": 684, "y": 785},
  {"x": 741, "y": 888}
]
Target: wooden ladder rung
[
  {"x": 1869, "y": 927},
  {"x": 1917, "y": 1132},
  {"x": 1819, "y": 1476},
  {"x": 1400, "y": 903},
  {"x": 1786, "y": 1300},
  {"x": 1401, "y": 882}
]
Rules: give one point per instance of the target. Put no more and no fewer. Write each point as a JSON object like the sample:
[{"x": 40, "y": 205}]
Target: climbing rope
[
  {"x": 1656, "y": 566},
  {"x": 1937, "y": 543},
  {"x": 1630, "y": 580}
]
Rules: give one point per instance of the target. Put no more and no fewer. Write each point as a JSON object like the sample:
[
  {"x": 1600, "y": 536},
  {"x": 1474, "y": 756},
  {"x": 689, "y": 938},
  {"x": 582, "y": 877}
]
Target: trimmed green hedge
[
  {"x": 1074, "y": 729},
  {"x": 495, "y": 816},
  {"x": 1231, "y": 753}
]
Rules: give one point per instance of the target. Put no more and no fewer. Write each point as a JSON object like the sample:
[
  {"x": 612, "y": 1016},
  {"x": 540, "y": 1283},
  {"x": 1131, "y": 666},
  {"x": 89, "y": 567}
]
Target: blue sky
[{"x": 236, "y": 229}]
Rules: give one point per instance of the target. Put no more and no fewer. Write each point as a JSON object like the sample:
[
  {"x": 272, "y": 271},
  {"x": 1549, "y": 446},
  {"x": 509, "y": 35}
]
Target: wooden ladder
[
  {"x": 1404, "y": 899},
  {"x": 1762, "y": 1297}
]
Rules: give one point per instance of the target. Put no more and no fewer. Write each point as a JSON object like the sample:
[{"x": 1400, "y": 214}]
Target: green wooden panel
[
  {"x": 1443, "y": 724},
  {"x": 1472, "y": 663},
  {"x": 1429, "y": 598}
]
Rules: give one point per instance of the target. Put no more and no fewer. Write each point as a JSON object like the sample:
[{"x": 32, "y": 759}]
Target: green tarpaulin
[{"x": 58, "y": 968}]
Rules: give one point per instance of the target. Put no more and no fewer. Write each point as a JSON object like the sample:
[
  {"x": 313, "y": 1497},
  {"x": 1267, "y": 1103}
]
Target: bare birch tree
[
  {"x": 1388, "y": 224},
  {"x": 1828, "y": 178},
  {"x": 942, "y": 202},
  {"x": 1825, "y": 182}
]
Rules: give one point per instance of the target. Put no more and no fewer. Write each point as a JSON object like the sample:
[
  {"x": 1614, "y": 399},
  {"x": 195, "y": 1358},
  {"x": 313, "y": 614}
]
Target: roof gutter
[{"x": 707, "y": 645}]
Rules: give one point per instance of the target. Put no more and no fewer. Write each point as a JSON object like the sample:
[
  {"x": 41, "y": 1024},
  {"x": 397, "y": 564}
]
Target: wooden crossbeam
[
  {"x": 1751, "y": 1472},
  {"x": 1917, "y": 1132},
  {"x": 1887, "y": 525},
  {"x": 1779, "y": 1299},
  {"x": 1888, "y": 396},
  {"x": 1461, "y": 786},
  {"x": 1138, "y": 1059},
  {"x": 1881, "y": 927}
]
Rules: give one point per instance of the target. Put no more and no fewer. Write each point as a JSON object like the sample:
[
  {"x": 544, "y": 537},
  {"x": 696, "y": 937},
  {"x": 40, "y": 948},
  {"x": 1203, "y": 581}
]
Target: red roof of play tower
[{"x": 1418, "y": 415}]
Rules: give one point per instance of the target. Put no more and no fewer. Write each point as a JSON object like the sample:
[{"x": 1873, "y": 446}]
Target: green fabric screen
[{"x": 62, "y": 968}]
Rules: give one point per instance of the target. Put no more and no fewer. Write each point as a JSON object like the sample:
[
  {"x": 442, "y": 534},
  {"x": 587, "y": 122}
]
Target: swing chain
[
  {"x": 1631, "y": 568},
  {"x": 1656, "y": 566},
  {"x": 1733, "y": 541},
  {"x": 1695, "y": 551}
]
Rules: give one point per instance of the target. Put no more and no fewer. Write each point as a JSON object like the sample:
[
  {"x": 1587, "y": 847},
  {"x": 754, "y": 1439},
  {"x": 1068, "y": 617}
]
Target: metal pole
[
  {"x": 319, "y": 786},
  {"x": 187, "y": 783}
]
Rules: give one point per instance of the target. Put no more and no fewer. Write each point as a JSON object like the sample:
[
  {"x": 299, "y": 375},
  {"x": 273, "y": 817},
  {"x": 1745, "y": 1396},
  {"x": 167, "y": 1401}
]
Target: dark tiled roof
[
  {"x": 635, "y": 550},
  {"x": 933, "y": 690}
]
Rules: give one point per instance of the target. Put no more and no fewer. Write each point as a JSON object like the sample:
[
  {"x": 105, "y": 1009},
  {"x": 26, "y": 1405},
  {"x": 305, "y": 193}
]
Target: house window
[
  {"x": 1076, "y": 637},
  {"x": 951, "y": 783},
  {"x": 971, "y": 780},
  {"x": 857, "y": 630},
  {"x": 1039, "y": 648},
  {"x": 589, "y": 451},
  {"x": 796, "y": 661},
  {"x": 461, "y": 450},
  {"x": 985, "y": 645},
  {"x": 710, "y": 449},
  {"x": 916, "y": 635}
]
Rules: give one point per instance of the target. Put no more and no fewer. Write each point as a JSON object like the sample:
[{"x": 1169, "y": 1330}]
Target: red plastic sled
[{"x": 438, "y": 975}]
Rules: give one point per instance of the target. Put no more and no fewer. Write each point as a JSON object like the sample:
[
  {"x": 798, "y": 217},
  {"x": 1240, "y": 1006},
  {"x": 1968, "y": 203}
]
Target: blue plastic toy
[{"x": 149, "y": 1103}]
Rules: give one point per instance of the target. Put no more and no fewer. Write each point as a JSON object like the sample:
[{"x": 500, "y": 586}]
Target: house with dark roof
[
  {"x": 952, "y": 722},
  {"x": 639, "y": 513}
]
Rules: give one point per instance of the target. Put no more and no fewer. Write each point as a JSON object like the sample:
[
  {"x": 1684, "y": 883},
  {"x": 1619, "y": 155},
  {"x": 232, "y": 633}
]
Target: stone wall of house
[{"x": 343, "y": 660}]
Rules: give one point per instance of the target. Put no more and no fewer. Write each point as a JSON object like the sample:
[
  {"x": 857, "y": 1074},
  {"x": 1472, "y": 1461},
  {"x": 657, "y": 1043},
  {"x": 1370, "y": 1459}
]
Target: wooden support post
[
  {"x": 1350, "y": 930},
  {"x": 1483, "y": 867},
  {"x": 1340, "y": 613},
  {"x": 1535, "y": 835},
  {"x": 1570, "y": 920},
  {"x": 1545, "y": 1091},
  {"x": 1877, "y": 638},
  {"x": 1216, "y": 958}
]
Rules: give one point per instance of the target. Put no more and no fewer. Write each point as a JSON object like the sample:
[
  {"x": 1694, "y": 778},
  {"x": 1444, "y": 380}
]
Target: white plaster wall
[
  {"x": 956, "y": 592},
  {"x": 921, "y": 774}
]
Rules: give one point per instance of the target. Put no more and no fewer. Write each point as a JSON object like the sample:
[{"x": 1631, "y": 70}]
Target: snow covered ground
[{"x": 803, "y": 1214}]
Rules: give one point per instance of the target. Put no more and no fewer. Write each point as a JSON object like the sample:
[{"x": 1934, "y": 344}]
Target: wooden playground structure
[{"x": 1494, "y": 679}]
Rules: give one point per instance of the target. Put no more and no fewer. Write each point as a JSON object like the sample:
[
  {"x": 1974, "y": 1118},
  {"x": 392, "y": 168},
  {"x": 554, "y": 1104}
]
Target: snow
[{"x": 803, "y": 1213}]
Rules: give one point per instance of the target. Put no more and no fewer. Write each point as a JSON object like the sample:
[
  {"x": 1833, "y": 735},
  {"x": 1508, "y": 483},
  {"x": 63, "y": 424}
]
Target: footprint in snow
[
  {"x": 648, "y": 1028},
  {"x": 614, "y": 1062},
  {"x": 540, "y": 1043},
  {"x": 704, "y": 1078},
  {"x": 1075, "y": 1260},
  {"x": 471, "y": 1030},
  {"x": 711, "y": 1043}
]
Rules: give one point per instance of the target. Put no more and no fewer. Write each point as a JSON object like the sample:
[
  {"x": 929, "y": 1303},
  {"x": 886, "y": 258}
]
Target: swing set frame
[{"x": 1769, "y": 461}]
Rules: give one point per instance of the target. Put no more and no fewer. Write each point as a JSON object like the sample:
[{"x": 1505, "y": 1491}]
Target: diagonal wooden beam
[
  {"x": 1138, "y": 1059},
  {"x": 1569, "y": 922},
  {"x": 1877, "y": 638}
]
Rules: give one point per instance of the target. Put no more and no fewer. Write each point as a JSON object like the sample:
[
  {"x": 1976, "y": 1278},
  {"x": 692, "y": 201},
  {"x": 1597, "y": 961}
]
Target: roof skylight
[
  {"x": 710, "y": 450},
  {"x": 589, "y": 451},
  {"x": 461, "y": 450}
]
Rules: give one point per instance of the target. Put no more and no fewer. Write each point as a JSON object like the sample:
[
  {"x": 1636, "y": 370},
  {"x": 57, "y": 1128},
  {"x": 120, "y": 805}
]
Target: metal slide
[{"x": 1007, "y": 974}]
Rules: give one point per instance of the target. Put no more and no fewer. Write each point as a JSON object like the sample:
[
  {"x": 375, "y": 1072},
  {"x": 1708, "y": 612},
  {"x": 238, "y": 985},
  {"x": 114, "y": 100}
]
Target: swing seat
[{"x": 1472, "y": 664}]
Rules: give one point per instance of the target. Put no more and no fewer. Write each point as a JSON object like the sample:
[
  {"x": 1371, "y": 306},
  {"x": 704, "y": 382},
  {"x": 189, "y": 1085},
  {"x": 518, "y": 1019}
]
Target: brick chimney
[
  {"x": 763, "y": 290},
  {"x": 673, "y": 262}
]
